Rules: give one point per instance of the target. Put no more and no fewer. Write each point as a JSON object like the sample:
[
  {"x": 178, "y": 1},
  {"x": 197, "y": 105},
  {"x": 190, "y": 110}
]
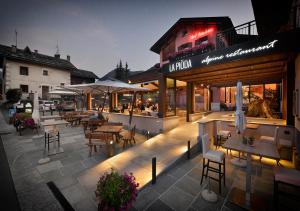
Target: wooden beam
[
  {"x": 220, "y": 75},
  {"x": 245, "y": 77},
  {"x": 238, "y": 69}
]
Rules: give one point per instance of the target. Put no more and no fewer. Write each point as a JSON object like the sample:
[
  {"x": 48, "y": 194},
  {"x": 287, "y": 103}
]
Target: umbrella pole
[{"x": 132, "y": 105}]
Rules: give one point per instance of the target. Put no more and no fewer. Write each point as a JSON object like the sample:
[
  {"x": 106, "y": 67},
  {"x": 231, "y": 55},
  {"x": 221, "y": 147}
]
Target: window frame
[
  {"x": 45, "y": 71},
  {"x": 25, "y": 86},
  {"x": 23, "y": 68}
]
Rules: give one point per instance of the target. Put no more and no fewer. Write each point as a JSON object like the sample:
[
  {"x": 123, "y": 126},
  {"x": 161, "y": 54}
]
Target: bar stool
[
  {"x": 51, "y": 136},
  {"x": 212, "y": 156}
]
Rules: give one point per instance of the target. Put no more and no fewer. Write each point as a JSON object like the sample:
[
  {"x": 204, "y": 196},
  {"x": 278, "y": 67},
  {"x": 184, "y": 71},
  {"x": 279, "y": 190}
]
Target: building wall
[
  {"x": 189, "y": 36},
  {"x": 35, "y": 79}
]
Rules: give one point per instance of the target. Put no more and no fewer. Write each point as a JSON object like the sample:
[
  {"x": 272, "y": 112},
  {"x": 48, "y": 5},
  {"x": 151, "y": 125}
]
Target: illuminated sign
[
  {"x": 239, "y": 52},
  {"x": 201, "y": 33},
  {"x": 180, "y": 65}
]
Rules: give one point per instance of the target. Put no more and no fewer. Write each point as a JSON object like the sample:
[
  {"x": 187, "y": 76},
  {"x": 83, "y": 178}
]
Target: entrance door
[{"x": 45, "y": 92}]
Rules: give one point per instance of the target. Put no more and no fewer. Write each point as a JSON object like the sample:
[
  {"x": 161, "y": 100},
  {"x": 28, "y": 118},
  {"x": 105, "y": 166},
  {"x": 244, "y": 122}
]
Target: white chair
[
  {"x": 212, "y": 156},
  {"x": 270, "y": 139}
]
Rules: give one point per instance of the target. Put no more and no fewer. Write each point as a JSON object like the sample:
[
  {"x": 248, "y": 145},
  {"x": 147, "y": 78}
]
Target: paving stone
[
  {"x": 51, "y": 175},
  {"x": 201, "y": 204},
  {"x": 63, "y": 182},
  {"x": 159, "y": 205},
  {"x": 53, "y": 165},
  {"x": 72, "y": 169},
  {"x": 28, "y": 182},
  {"x": 145, "y": 198},
  {"x": 189, "y": 185},
  {"x": 163, "y": 182},
  {"x": 196, "y": 174},
  {"x": 86, "y": 205},
  {"x": 177, "y": 172},
  {"x": 73, "y": 193},
  {"x": 36, "y": 199},
  {"x": 176, "y": 199}
]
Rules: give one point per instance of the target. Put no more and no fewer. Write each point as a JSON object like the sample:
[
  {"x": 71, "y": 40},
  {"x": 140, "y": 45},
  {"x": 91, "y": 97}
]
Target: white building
[{"x": 34, "y": 72}]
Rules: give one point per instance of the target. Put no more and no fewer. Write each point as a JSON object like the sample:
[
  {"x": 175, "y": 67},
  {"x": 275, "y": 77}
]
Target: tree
[{"x": 13, "y": 95}]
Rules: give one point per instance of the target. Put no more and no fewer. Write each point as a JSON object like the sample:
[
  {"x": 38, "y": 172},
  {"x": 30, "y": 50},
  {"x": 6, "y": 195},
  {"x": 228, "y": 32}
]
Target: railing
[{"x": 236, "y": 35}]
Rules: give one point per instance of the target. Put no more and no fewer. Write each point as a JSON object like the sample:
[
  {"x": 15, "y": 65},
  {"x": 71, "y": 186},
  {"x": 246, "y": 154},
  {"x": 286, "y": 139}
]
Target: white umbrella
[
  {"x": 36, "y": 112},
  {"x": 240, "y": 120},
  {"x": 63, "y": 92},
  {"x": 109, "y": 86}
]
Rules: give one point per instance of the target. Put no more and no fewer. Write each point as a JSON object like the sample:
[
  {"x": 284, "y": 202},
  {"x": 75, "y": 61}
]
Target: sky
[{"x": 97, "y": 34}]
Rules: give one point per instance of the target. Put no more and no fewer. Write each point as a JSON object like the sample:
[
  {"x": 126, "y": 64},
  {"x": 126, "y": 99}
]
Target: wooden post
[
  {"x": 153, "y": 170},
  {"x": 132, "y": 106},
  {"x": 189, "y": 100},
  {"x": 162, "y": 97}
]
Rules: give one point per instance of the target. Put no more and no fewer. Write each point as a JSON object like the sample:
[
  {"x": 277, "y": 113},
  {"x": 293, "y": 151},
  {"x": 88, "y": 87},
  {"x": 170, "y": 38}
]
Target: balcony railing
[{"x": 236, "y": 35}]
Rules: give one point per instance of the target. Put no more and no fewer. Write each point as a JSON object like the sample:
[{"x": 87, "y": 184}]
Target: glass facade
[
  {"x": 269, "y": 93},
  {"x": 170, "y": 97}
]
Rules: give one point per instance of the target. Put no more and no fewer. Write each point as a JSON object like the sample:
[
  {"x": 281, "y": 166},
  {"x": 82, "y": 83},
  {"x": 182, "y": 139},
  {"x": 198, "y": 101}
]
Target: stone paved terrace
[
  {"x": 76, "y": 174},
  {"x": 179, "y": 188}
]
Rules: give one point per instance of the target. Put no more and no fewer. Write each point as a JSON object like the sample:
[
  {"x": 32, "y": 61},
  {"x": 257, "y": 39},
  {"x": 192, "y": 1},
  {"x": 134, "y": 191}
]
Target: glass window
[
  {"x": 45, "y": 72},
  {"x": 245, "y": 95},
  {"x": 199, "y": 98},
  {"x": 23, "y": 70},
  {"x": 170, "y": 95},
  {"x": 24, "y": 88},
  {"x": 202, "y": 41},
  {"x": 185, "y": 46},
  {"x": 222, "y": 94},
  {"x": 272, "y": 96},
  {"x": 256, "y": 92}
]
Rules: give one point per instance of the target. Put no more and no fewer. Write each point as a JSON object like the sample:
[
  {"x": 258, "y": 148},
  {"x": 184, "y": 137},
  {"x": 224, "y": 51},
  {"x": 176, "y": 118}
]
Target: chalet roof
[
  {"x": 222, "y": 22},
  {"x": 149, "y": 75},
  {"x": 84, "y": 74},
  {"x": 113, "y": 74},
  {"x": 27, "y": 56}
]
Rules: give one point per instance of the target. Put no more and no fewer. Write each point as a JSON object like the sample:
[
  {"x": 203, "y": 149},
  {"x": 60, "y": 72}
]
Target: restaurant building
[{"x": 202, "y": 59}]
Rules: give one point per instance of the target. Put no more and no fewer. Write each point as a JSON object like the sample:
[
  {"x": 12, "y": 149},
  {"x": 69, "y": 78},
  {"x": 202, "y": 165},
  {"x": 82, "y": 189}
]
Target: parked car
[
  {"x": 46, "y": 105},
  {"x": 66, "y": 106}
]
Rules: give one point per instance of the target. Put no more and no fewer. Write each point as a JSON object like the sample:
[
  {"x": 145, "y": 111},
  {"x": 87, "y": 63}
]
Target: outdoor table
[
  {"x": 80, "y": 117},
  {"x": 114, "y": 129},
  {"x": 263, "y": 149}
]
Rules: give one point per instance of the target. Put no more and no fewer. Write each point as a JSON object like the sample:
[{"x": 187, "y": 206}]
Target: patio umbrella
[
  {"x": 63, "y": 92},
  {"x": 240, "y": 120},
  {"x": 36, "y": 112}
]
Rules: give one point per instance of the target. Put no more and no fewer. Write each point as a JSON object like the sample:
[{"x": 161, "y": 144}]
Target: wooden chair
[
  {"x": 98, "y": 139},
  {"x": 212, "y": 156},
  {"x": 128, "y": 137}
]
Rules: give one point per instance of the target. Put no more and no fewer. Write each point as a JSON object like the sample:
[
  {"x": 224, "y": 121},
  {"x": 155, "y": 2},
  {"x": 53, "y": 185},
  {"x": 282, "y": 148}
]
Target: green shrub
[{"x": 13, "y": 95}]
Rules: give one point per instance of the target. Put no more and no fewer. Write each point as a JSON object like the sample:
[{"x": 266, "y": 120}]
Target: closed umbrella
[
  {"x": 240, "y": 120},
  {"x": 36, "y": 112}
]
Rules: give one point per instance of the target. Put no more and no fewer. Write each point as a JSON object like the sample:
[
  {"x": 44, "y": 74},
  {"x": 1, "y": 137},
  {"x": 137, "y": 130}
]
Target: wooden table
[
  {"x": 113, "y": 129},
  {"x": 259, "y": 148},
  {"x": 50, "y": 117},
  {"x": 53, "y": 122}
]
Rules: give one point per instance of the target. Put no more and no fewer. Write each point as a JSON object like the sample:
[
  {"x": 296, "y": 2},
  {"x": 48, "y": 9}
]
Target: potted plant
[{"x": 116, "y": 192}]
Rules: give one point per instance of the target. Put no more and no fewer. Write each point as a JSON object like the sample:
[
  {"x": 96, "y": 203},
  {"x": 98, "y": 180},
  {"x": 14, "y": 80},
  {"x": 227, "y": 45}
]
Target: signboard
[{"x": 256, "y": 47}]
